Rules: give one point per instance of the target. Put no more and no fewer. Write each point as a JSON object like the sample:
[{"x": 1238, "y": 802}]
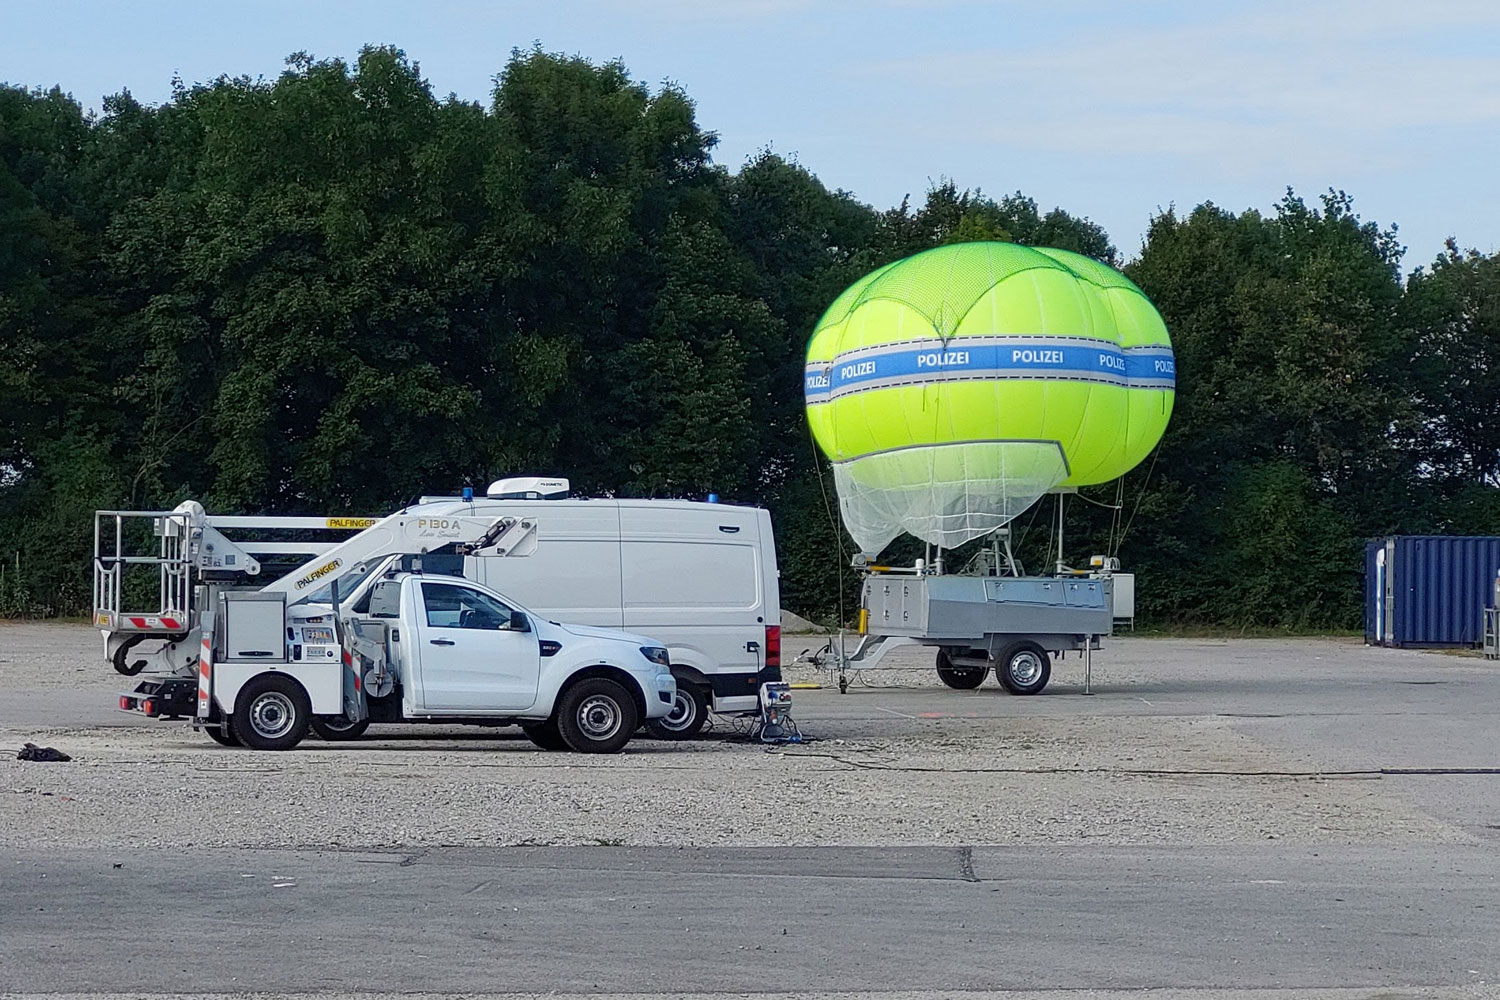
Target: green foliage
[
  {"x": 1454, "y": 311},
  {"x": 1281, "y": 453},
  {"x": 46, "y": 525},
  {"x": 333, "y": 291},
  {"x": 1292, "y": 559},
  {"x": 953, "y": 216}
]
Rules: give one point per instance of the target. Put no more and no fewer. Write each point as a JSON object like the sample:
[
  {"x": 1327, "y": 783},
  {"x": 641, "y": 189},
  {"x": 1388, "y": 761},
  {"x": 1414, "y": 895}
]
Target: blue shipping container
[{"x": 1429, "y": 590}]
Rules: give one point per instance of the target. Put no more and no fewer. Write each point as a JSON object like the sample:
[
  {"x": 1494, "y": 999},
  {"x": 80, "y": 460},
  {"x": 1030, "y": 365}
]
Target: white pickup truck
[{"x": 444, "y": 649}]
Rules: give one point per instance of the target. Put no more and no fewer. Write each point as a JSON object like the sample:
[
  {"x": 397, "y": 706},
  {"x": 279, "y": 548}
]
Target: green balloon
[{"x": 953, "y": 389}]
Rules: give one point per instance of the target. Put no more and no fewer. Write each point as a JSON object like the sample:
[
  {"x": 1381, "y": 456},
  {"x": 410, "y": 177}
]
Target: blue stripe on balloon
[
  {"x": 1150, "y": 367},
  {"x": 1150, "y": 363}
]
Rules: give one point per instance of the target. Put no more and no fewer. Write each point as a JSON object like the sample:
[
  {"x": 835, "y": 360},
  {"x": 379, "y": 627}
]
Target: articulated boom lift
[{"x": 265, "y": 628}]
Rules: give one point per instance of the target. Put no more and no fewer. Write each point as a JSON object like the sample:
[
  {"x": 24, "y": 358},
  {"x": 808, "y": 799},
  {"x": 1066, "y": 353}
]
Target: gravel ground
[
  {"x": 143, "y": 787},
  {"x": 1078, "y": 779},
  {"x": 43, "y": 656}
]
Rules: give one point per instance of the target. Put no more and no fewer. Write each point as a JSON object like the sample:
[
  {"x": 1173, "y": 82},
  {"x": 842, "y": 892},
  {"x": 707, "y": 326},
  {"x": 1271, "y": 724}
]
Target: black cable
[
  {"x": 1114, "y": 520},
  {"x": 1096, "y": 503},
  {"x": 1138, "y": 498},
  {"x": 1052, "y": 531},
  {"x": 838, "y": 537},
  {"x": 1021, "y": 542}
]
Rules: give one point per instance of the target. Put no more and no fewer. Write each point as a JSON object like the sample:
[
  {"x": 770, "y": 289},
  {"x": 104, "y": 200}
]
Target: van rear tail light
[
  {"x": 126, "y": 702},
  {"x": 773, "y": 646}
]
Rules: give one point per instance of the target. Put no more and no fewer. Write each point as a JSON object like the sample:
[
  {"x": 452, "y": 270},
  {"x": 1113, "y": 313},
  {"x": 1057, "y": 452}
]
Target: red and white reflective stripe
[
  {"x": 203, "y": 669},
  {"x": 349, "y": 662},
  {"x": 151, "y": 621}
]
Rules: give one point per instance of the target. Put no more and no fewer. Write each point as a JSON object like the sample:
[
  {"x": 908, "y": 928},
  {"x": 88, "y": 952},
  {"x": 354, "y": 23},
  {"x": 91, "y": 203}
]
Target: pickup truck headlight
[{"x": 657, "y": 655}]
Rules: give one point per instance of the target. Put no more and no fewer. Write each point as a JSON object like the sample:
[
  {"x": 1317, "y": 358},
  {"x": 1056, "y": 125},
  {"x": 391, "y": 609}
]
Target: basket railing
[{"x": 113, "y": 556}]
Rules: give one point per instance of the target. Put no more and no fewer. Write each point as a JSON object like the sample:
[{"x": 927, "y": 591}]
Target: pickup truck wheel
[
  {"x": 1024, "y": 668},
  {"x": 272, "y": 713},
  {"x": 334, "y": 728},
  {"x": 958, "y": 678},
  {"x": 597, "y": 715},
  {"x": 223, "y": 734},
  {"x": 544, "y": 735},
  {"x": 687, "y": 718}
]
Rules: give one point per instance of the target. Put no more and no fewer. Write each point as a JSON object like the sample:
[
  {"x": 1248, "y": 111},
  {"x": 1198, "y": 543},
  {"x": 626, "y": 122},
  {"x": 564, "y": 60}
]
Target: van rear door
[{"x": 693, "y": 575}]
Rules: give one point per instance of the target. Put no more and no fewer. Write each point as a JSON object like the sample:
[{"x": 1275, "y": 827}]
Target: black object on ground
[{"x": 33, "y": 752}]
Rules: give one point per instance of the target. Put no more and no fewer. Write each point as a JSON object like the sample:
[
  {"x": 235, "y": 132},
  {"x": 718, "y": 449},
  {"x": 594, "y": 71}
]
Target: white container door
[{"x": 1388, "y": 592}]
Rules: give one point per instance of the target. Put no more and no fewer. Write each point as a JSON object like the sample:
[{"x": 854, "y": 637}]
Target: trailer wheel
[
  {"x": 597, "y": 715},
  {"x": 223, "y": 734},
  {"x": 687, "y": 718},
  {"x": 1023, "y": 668},
  {"x": 959, "y": 678},
  {"x": 544, "y": 735},
  {"x": 272, "y": 713},
  {"x": 335, "y": 728}
]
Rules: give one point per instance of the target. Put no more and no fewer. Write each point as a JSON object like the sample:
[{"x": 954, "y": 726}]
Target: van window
[{"x": 660, "y": 574}]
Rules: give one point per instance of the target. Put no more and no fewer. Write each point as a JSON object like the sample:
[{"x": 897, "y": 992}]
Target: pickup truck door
[{"x": 475, "y": 661}]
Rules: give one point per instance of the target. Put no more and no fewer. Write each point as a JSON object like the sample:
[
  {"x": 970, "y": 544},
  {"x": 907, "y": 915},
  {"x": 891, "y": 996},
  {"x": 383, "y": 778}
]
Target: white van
[{"x": 700, "y": 578}]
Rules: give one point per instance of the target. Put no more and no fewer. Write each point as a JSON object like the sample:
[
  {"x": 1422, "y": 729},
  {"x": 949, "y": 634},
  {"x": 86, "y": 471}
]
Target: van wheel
[
  {"x": 223, "y": 733},
  {"x": 334, "y": 728},
  {"x": 544, "y": 735},
  {"x": 597, "y": 715},
  {"x": 687, "y": 718},
  {"x": 272, "y": 713},
  {"x": 959, "y": 678},
  {"x": 1023, "y": 668}
]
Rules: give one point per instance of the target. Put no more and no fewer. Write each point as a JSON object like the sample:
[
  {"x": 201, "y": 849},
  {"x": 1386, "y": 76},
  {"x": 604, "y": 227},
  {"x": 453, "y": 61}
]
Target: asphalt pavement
[{"x": 743, "y": 921}]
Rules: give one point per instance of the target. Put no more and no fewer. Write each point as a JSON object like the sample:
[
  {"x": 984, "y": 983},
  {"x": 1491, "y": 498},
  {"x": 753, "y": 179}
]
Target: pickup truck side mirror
[{"x": 518, "y": 622}]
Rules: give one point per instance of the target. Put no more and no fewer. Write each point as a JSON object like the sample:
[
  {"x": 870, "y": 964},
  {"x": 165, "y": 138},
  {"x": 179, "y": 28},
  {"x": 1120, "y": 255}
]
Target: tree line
[{"x": 335, "y": 291}]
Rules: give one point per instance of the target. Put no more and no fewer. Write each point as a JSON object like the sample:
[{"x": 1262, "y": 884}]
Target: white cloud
[{"x": 1315, "y": 84}]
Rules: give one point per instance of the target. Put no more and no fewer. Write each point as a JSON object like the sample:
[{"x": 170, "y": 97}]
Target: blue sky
[{"x": 1111, "y": 110}]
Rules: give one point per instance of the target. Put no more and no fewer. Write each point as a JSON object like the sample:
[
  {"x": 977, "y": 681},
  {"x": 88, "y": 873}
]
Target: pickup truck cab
[{"x": 435, "y": 648}]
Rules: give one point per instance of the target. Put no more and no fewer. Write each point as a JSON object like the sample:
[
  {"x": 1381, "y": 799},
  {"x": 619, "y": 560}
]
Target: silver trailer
[{"x": 990, "y": 617}]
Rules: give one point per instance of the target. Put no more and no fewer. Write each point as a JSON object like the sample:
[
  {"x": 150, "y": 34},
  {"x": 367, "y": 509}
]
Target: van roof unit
[{"x": 528, "y": 488}]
